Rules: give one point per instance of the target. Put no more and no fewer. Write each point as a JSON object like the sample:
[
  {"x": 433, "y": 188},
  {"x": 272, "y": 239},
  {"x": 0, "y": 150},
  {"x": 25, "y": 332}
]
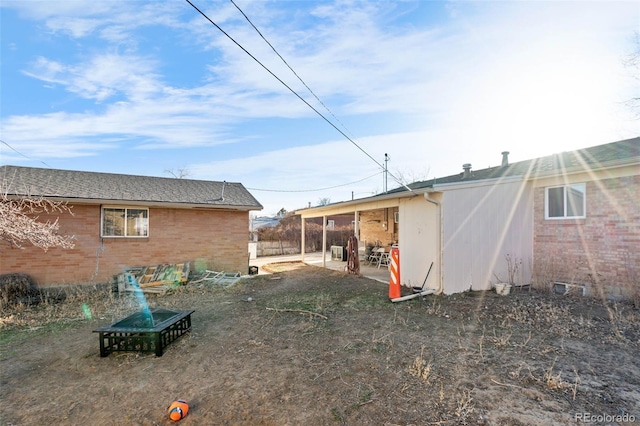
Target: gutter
[{"x": 427, "y": 196}]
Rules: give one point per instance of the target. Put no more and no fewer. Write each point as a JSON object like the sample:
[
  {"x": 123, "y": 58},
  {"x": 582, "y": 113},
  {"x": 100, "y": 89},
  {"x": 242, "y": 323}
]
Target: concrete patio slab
[{"x": 315, "y": 259}]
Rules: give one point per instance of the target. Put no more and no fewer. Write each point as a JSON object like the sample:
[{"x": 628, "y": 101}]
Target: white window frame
[
  {"x": 126, "y": 209},
  {"x": 583, "y": 188}
]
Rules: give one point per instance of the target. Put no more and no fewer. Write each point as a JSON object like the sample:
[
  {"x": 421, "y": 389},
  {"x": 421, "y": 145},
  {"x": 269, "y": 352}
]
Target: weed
[
  {"x": 365, "y": 396},
  {"x": 514, "y": 265},
  {"x": 434, "y": 308},
  {"x": 575, "y": 385},
  {"x": 464, "y": 404},
  {"x": 554, "y": 381},
  {"x": 631, "y": 284},
  {"x": 420, "y": 368},
  {"x": 381, "y": 344},
  {"x": 481, "y": 343},
  {"x": 502, "y": 340},
  {"x": 337, "y": 415}
]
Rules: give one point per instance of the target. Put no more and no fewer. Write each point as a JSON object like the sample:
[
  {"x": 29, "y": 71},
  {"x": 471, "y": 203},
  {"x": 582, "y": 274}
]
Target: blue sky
[{"x": 143, "y": 87}]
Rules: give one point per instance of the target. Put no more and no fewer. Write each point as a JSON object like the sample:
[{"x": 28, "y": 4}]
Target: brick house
[
  {"x": 570, "y": 218},
  {"x": 121, "y": 221}
]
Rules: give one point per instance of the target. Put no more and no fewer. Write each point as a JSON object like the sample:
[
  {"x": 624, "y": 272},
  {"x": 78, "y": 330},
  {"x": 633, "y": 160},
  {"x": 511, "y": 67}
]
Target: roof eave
[
  {"x": 144, "y": 203},
  {"x": 360, "y": 201}
]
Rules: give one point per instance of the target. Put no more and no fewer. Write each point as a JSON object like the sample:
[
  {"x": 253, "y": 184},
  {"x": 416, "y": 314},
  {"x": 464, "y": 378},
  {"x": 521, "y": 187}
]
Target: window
[
  {"x": 125, "y": 222},
  {"x": 565, "y": 202}
]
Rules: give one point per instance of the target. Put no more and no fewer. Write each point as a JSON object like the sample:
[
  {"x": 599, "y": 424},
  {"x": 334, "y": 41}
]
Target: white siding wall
[
  {"x": 482, "y": 224},
  {"x": 418, "y": 242}
]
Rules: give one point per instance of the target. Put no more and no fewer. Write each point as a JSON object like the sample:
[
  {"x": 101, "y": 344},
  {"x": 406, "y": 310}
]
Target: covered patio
[{"x": 368, "y": 271}]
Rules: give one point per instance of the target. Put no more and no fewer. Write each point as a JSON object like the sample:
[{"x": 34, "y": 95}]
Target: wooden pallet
[
  {"x": 153, "y": 279},
  {"x": 219, "y": 277}
]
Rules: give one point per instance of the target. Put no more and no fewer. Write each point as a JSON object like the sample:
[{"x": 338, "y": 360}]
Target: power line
[
  {"x": 289, "y": 66},
  {"x": 315, "y": 190},
  {"x": 27, "y": 157},
  {"x": 293, "y": 91}
]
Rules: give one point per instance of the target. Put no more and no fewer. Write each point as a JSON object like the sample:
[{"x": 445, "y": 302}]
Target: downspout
[{"x": 427, "y": 196}]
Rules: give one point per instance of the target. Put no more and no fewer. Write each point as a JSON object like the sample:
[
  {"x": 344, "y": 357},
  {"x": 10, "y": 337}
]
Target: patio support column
[
  {"x": 356, "y": 226},
  {"x": 302, "y": 239},
  {"x": 356, "y": 233},
  {"x": 324, "y": 241}
]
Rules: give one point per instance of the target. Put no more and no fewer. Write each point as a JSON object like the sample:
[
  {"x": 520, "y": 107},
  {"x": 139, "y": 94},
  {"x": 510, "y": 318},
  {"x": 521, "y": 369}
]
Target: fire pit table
[{"x": 144, "y": 331}]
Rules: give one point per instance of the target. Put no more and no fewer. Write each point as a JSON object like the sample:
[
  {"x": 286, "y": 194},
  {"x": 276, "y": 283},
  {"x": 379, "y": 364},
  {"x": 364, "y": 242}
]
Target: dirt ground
[{"x": 319, "y": 347}]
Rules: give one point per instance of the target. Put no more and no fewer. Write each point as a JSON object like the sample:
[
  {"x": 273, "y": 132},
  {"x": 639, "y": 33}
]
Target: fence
[{"x": 277, "y": 248}]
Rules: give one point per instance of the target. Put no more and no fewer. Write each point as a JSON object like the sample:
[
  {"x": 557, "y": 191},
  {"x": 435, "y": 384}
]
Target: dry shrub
[
  {"x": 554, "y": 381},
  {"x": 18, "y": 288},
  {"x": 546, "y": 272},
  {"x": 631, "y": 284}
]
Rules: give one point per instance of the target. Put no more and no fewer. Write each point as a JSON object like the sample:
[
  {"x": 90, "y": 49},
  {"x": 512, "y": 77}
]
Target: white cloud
[{"x": 529, "y": 77}]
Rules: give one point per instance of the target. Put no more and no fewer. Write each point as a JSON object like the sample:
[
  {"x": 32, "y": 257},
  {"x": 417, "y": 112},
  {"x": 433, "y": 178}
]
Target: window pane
[
  {"x": 113, "y": 222},
  {"x": 556, "y": 202},
  {"x": 575, "y": 200},
  {"x": 137, "y": 222}
]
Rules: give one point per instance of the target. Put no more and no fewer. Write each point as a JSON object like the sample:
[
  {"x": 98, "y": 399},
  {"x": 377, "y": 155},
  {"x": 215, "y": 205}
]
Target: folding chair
[
  {"x": 384, "y": 258},
  {"x": 374, "y": 256}
]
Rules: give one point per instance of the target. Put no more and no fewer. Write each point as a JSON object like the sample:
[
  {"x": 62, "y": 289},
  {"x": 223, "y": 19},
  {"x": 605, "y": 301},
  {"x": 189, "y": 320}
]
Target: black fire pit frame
[{"x": 128, "y": 335}]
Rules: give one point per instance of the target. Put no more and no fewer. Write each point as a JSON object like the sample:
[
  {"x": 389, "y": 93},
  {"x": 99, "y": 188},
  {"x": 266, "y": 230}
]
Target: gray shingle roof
[
  {"x": 79, "y": 185},
  {"x": 590, "y": 158}
]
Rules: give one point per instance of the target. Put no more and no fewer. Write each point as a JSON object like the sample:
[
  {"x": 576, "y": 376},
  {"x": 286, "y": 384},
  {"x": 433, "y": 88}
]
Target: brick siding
[
  {"x": 601, "y": 251},
  {"x": 216, "y": 238},
  {"x": 371, "y": 229}
]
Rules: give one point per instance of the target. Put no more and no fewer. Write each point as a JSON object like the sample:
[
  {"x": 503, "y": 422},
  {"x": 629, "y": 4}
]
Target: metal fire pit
[{"x": 145, "y": 331}]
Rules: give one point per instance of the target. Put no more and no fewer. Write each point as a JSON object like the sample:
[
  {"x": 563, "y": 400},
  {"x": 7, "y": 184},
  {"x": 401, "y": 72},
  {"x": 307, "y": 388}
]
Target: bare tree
[
  {"x": 324, "y": 201},
  {"x": 20, "y": 224},
  {"x": 410, "y": 176},
  {"x": 632, "y": 62},
  {"x": 181, "y": 173}
]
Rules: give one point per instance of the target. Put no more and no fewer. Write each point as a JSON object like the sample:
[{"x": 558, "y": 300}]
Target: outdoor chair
[
  {"x": 384, "y": 258},
  {"x": 374, "y": 256}
]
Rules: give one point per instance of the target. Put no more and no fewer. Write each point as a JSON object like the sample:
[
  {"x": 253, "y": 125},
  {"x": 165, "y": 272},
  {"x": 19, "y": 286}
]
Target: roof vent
[
  {"x": 505, "y": 158},
  {"x": 467, "y": 170}
]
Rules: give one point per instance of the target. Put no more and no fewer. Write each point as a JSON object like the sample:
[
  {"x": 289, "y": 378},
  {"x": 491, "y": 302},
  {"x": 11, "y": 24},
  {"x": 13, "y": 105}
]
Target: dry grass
[
  {"x": 420, "y": 368},
  {"x": 67, "y": 304},
  {"x": 554, "y": 381},
  {"x": 442, "y": 360}
]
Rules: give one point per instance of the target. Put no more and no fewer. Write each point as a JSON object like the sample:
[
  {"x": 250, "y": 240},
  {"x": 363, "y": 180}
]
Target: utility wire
[
  {"x": 28, "y": 158},
  {"x": 293, "y": 91},
  {"x": 315, "y": 190},
  {"x": 289, "y": 66}
]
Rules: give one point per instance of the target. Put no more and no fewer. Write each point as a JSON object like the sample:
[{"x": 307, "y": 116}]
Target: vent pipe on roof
[
  {"x": 221, "y": 197},
  {"x": 505, "y": 158},
  {"x": 467, "y": 170}
]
